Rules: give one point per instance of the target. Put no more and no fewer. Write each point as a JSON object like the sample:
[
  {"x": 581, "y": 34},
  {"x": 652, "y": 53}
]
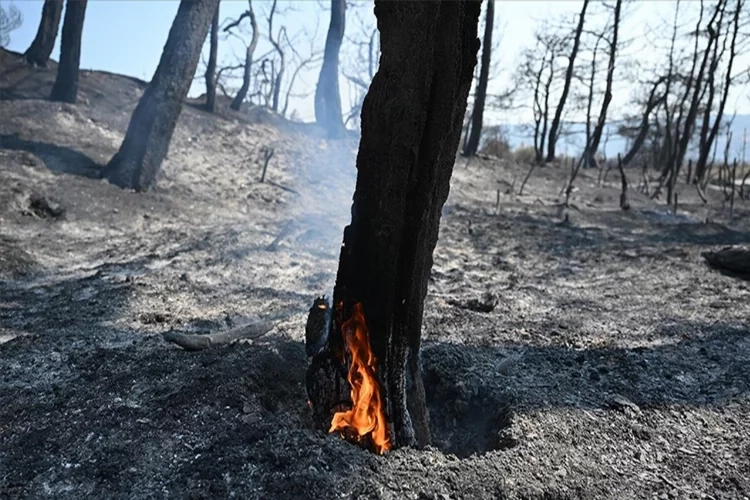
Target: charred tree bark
[
  {"x": 700, "y": 168},
  {"x": 137, "y": 163},
  {"x": 538, "y": 114},
  {"x": 687, "y": 131},
  {"x": 411, "y": 126},
  {"x": 327, "y": 96},
  {"x": 213, "y": 54},
  {"x": 276, "y": 42},
  {"x": 624, "y": 202},
  {"x": 545, "y": 112},
  {"x": 599, "y": 129},
  {"x": 653, "y": 102},
  {"x": 40, "y": 49},
  {"x": 247, "y": 74},
  {"x": 475, "y": 134},
  {"x": 65, "y": 88},
  {"x": 553, "y": 131}
]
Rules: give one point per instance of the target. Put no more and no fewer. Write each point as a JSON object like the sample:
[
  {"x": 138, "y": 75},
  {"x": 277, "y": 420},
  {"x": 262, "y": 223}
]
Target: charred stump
[
  {"x": 40, "y": 49},
  {"x": 411, "y": 126},
  {"x": 137, "y": 163},
  {"x": 65, "y": 88}
]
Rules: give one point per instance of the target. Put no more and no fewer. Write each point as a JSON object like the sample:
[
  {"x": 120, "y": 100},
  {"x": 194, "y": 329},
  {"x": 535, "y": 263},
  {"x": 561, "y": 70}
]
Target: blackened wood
[
  {"x": 327, "y": 96},
  {"x": 137, "y": 163},
  {"x": 477, "y": 116},
  {"x": 213, "y": 54},
  {"x": 40, "y": 49},
  {"x": 247, "y": 74},
  {"x": 411, "y": 125},
  {"x": 65, "y": 88}
]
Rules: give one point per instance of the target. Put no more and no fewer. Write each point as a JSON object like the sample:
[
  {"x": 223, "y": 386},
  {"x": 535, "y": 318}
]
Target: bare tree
[
  {"x": 10, "y": 20},
  {"x": 554, "y": 128},
  {"x": 406, "y": 156},
  {"x": 65, "y": 87},
  {"x": 653, "y": 101},
  {"x": 693, "y": 92},
  {"x": 40, "y": 49},
  {"x": 710, "y": 136},
  {"x": 279, "y": 71},
  {"x": 213, "y": 52},
  {"x": 596, "y": 136},
  {"x": 593, "y": 145},
  {"x": 249, "y": 52},
  {"x": 480, "y": 98},
  {"x": 360, "y": 62},
  {"x": 136, "y": 165},
  {"x": 327, "y": 95}
]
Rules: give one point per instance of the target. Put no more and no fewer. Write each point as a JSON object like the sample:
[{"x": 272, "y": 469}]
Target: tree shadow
[
  {"x": 59, "y": 159},
  {"x": 471, "y": 399}
]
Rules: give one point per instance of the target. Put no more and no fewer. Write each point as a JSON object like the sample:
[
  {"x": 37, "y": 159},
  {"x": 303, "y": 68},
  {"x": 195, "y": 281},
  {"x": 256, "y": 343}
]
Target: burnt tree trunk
[
  {"x": 213, "y": 54},
  {"x": 596, "y": 136},
  {"x": 545, "y": 113},
  {"x": 137, "y": 163},
  {"x": 327, "y": 95},
  {"x": 411, "y": 126},
  {"x": 701, "y": 167},
  {"x": 65, "y": 88},
  {"x": 553, "y": 131},
  {"x": 40, "y": 49},
  {"x": 246, "y": 76},
  {"x": 475, "y": 134},
  {"x": 653, "y": 102}
]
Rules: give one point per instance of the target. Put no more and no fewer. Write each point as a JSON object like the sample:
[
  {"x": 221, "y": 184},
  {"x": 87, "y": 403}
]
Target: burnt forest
[{"x": 365, "y": 249}]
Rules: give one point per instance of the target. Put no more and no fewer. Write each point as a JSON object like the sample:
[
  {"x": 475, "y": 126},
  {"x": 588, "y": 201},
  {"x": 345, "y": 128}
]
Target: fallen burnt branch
[
  {"x": 734, "y": 260},
  {"x": 199, "y": 342}
]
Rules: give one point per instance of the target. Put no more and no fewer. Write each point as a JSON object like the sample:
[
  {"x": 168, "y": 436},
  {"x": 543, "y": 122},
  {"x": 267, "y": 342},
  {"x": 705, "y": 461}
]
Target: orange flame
[{"x": 367, "y": 416}]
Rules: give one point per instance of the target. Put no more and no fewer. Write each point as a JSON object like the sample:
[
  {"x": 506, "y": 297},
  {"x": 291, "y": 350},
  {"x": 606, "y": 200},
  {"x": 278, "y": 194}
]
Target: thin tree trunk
[
  {"x": 700, "y": 169},
  {"x": 545, "y": 114},
  {"x": 276, "y": 42},
  {"x": 40, "y": 49},
  {"x": 554, "y": 129},
  {"x": 211, "y": 66},
  {"x": 327, "y": 96},
  {"x": 590, "y": 98},
  {"x": 411, "y": 125},
  {"x": 137, "y": 163},
  {"x": 652, "y": 103},
  {"x": 65, "y": 88},
  {"x": 247, "y": 74},
  {"x": 687, "y": 131},
  {"x": 538, "y": 140},
  {"x": 472, "y": 145},
  {"x": 599, "y": 129}
]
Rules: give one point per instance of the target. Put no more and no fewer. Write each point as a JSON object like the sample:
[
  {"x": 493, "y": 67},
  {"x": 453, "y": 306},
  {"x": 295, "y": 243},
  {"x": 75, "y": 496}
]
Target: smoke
[{"x": 316, "y": 220}]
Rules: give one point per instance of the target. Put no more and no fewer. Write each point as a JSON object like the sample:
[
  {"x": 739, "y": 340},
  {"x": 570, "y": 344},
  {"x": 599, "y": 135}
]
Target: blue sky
[{"x": 128, "y": 36}]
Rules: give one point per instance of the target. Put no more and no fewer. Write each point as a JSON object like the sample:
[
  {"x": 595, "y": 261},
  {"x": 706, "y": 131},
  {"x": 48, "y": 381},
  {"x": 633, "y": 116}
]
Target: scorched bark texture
[
  {"x": 65, "y": 88},
  {"x": 40, "y": 49},
  {"x": 146, "y": 143},
  {"x": 411, "y": 125}
]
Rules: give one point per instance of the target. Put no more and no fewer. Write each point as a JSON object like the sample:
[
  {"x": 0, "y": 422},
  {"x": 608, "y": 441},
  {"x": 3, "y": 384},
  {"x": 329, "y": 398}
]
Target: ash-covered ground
[{"x": 632, "y": 377}]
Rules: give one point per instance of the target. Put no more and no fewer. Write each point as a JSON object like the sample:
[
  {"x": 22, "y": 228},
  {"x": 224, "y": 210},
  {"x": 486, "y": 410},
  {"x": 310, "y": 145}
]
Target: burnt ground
[{"x": 632, "y": 371}]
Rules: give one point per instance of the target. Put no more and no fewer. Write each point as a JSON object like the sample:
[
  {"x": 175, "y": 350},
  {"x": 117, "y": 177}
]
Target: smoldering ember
[{"x": 399, "y": 250}]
